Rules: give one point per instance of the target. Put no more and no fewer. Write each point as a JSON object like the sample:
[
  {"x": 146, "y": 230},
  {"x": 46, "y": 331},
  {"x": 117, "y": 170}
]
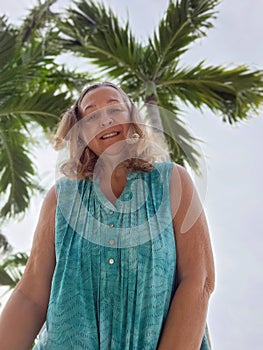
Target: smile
[{"x": 107, "y": 136}]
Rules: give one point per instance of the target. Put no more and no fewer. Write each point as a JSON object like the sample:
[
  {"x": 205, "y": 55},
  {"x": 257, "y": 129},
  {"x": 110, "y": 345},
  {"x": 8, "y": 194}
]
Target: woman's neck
[
  {"x": 113, "y": 172},
  {"x": 113, "y": 180}
]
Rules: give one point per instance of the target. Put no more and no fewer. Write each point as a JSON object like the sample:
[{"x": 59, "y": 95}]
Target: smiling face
[{"x": 105, "y": 120}]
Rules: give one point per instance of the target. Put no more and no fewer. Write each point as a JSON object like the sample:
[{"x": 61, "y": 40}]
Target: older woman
[{"x": 121, "y": 258}]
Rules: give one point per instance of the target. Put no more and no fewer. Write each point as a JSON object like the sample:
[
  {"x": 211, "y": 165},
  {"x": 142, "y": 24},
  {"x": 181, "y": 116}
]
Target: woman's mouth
[{"x": 110, "y": 135}]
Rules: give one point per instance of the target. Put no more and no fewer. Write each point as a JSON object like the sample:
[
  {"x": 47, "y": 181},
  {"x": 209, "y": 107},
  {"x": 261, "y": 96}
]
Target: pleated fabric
[{"x": 115, "y": 273}]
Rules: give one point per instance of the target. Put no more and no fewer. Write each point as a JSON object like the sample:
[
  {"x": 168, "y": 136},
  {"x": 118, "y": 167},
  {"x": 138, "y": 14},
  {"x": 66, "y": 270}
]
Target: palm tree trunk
[{"x": 155, "y": 119}]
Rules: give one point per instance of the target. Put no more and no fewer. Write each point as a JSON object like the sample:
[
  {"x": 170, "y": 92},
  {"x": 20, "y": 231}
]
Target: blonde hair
[{"x": 82, "y": 160}]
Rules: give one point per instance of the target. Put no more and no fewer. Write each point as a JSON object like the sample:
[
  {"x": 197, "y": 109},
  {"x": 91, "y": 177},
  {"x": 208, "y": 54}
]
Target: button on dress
[{"x": 115, "y": 273}]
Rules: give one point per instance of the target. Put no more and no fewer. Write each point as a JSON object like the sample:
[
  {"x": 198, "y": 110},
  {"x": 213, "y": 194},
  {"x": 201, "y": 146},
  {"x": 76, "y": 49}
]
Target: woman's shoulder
[
  {"x": 176, "y": 173},
  {"x": 65, "y": 183},
  {"x": 173, "y": 167},
  {"x": 166, "y": 166},
  {"x": 51, "y": 196}
]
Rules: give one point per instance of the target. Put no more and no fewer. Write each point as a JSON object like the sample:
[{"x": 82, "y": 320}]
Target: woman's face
[{"x": 105, "y": 120}]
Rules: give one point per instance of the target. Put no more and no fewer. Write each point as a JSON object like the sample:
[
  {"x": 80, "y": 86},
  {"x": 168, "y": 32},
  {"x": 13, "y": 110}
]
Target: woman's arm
[
  {"x": 185, "y": 323},
  {"x": 25, "y": 311}
]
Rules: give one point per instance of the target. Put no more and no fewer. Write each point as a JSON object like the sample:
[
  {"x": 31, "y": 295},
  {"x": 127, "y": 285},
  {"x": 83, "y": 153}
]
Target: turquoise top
[{"x": 115, "y": 273}]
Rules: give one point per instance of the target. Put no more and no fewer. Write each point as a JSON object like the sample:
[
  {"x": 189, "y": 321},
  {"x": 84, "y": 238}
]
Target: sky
[{"x": 233, "y": 196}]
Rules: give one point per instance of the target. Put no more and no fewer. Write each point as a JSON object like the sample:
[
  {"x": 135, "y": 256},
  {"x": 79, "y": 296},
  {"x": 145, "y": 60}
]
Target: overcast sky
[{"x": 233, "y": 200}]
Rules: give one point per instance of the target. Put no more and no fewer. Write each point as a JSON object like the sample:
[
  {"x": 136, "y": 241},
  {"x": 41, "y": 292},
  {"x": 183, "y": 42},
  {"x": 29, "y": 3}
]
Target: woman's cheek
[{"x": 88, "y": 134}]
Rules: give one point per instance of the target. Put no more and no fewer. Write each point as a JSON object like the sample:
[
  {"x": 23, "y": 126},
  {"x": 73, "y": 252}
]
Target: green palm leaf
[
  {"x": 234, "y": 93},
  {"x": 5, "y": 246},
  {"x": 31, "y": 96},
  {"x": 182, "y": 144},
  {"x": 16, "y": 167},
  {"x": 94, "y": 32},
  {"x": 37, "y": 20},
  {"x": 184, "y": 22},
  {"x": 11, "y": 269},
  {"x": 8, "y": 39}
]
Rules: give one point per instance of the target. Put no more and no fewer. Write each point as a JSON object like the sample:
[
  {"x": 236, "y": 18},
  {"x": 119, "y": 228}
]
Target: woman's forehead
[{"x": 102, "y": 94}]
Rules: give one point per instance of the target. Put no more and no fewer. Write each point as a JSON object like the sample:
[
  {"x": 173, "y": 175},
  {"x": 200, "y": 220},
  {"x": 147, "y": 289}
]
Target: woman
[{"x": 121, "y": 258}]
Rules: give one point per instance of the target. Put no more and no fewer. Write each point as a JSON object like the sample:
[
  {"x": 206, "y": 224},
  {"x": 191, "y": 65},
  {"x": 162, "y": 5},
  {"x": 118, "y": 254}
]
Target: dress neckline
[{"x": 119, "y": 200}]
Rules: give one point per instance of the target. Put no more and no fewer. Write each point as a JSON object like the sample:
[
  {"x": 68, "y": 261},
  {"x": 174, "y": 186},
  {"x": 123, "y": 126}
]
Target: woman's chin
[{"x": 114, "y": 150}]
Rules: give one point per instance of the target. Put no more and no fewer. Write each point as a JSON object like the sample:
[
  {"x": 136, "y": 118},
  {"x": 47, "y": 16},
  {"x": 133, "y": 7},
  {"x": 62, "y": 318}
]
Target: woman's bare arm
[
  {"x": 25, "y": 311},
  {"x": 185, "y": 323}
]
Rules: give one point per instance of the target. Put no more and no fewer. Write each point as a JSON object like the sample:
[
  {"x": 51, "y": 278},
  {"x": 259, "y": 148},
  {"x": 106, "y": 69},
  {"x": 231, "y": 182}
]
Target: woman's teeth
[{"x": 109, "y": 135}]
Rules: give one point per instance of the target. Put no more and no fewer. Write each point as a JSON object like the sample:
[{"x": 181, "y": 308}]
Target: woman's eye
[
  {"x": 115, "y": 110},
  {"x": 91, "y": 117}
]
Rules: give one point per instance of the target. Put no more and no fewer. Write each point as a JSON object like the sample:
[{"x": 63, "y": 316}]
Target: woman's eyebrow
[{"x": 110, "y": 100}]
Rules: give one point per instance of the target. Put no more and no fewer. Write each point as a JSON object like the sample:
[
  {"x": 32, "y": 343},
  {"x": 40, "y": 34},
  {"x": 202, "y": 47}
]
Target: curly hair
[{"x": 82, "y": 159}]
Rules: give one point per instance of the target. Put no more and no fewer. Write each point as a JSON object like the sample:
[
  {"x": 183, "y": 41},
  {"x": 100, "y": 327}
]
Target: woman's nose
[{"x": 106, "y": 121}]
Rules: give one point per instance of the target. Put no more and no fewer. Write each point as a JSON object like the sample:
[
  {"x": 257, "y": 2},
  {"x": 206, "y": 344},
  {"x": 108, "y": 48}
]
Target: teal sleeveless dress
[{"x": 115, "y": 273}]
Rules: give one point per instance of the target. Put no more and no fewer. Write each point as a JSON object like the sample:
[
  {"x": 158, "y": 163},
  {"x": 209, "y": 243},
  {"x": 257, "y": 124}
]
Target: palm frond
[
  {"x": 11, "y": 269},
  {"x": 182, "y": 145},
  {"x": 28, "y": 69},
  {"x": 184, "y": 22},
  {"x": 234, "y": 93},
  {"x": 41, "y": 108},
  {"x": 8, "y": 37},
  {"x": 93, "y": 31},
  {"x": 16, "y": 168},
  {"x": 36, "y": 19},
  {"x": 5, "y": 246},
  {"x": 31, "y": 91}
]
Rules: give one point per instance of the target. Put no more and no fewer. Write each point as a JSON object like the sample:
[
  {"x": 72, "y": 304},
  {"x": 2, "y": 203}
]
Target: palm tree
[
  {"x": 153, "y": 73},
  {"x": 31, "y": 96},
  {"x": 11, "y": 270},
  {"x": 5, "y": 246},
  {"x": 11, "y": 265}
]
